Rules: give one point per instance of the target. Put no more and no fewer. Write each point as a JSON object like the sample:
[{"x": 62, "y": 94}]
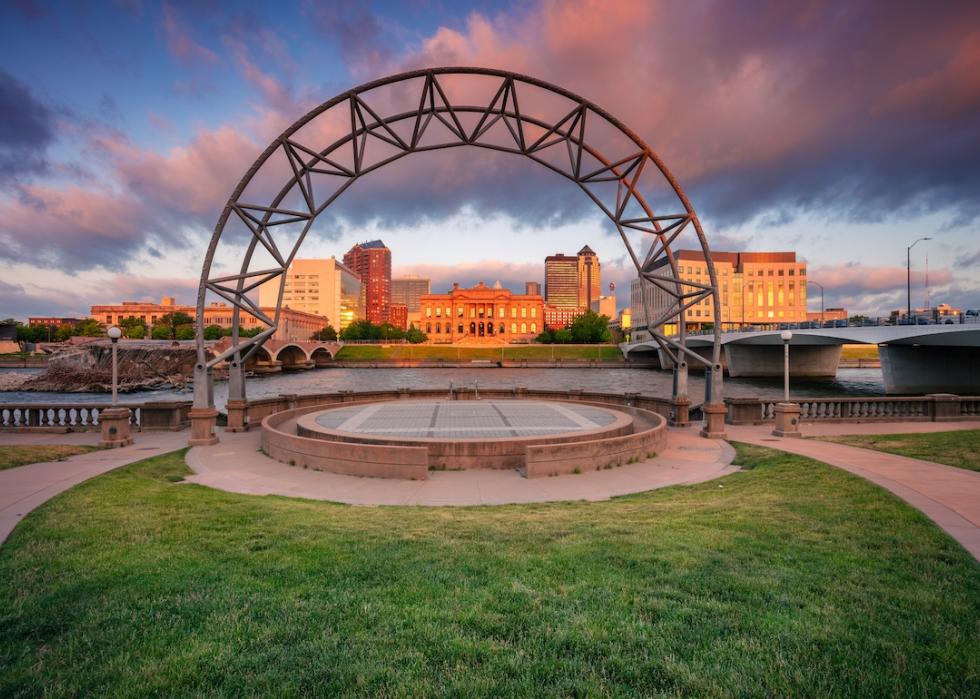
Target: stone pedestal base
[
  {"x": 202, "y": 427},
  {"x": 237, "y": 416},
  {"x": 714, "y": 420},
  {"x": 115, "y": 427},
  {"x": 787, "y": 420},
  {"x": 680, "y": 412}
]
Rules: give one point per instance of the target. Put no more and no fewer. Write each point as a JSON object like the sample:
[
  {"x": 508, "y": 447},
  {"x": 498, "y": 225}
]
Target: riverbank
[{"x": 464, "y": 355}]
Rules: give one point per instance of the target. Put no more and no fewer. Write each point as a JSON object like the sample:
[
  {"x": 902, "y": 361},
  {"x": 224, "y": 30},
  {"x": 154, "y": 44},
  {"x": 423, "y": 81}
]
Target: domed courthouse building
[{"x": 482, "y": 315}]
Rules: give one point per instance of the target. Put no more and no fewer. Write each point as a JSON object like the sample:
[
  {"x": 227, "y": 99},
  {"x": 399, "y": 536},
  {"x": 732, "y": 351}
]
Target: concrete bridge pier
[
  {"x": 805, "y": 361},
  {"x": 930, "y": 369}
]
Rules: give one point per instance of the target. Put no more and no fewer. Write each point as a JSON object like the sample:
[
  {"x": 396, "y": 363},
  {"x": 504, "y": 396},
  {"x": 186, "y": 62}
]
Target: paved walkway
[
  {"x": 947, "y": 495},
  {"x": 236, "y": 465},
  {"x": 26, "y": 487}
]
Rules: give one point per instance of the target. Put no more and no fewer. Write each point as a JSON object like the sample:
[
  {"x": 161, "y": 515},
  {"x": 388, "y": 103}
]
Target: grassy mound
[{"x": 790, "y": 578}]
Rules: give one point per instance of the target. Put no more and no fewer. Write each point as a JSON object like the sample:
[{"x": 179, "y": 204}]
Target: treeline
[
  {"x": 366, "y": 330},
  {"x": 590, "y": 328}
]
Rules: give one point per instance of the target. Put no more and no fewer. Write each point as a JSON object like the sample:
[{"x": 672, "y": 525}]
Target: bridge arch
[{"x": 318, "y": 157}]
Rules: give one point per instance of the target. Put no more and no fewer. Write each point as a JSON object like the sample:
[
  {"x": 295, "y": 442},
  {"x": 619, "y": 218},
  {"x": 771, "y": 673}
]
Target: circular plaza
[{"x": 409, "y": 438}]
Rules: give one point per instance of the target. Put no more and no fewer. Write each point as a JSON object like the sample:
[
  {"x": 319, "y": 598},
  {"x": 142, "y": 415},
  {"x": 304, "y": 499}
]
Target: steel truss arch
[{"x": 344, "y": 160}]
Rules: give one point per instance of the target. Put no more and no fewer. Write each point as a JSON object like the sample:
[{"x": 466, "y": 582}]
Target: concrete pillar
[
  {"x": 808, "y": 361},
  {"x": 713, "y": 426},
  {"x": 945, "y": 407},
  {"x": 236, "y": 379},
  {"x": 115, "y": 427},
  {"x": 930, "y": 369},
  {"x": 237, "y": 416},
  {"x": 203, "y": 421},
  {"x": 787, "y": 420}
]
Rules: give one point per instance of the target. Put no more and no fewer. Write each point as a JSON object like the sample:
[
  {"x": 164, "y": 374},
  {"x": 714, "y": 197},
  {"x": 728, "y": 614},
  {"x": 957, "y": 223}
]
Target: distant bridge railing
[
  {"x": 936, "y": 407},
  {"x": 84, "y": 417},
  {"x": 961, "y": 319}
]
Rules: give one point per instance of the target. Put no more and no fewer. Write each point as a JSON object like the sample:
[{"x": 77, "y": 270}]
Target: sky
[{"x": 841, "y": 130}]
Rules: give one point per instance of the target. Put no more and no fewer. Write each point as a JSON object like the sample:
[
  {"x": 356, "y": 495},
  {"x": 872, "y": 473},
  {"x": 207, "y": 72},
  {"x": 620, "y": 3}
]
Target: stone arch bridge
[{"x": 286, "y": 355}]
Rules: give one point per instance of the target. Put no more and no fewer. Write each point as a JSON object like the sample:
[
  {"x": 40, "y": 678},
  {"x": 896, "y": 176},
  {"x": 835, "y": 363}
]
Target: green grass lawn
[
  {"x": 466, "y": 354},
  {"x": 19, "y": 455},
  {"x": 955, "y": 448},
  {"x": 859, "y": 352},
  {"x": 788, "y": 579}
]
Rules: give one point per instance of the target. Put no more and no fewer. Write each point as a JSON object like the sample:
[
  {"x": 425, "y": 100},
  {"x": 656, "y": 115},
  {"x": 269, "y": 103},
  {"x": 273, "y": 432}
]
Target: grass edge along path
[
  {"x": 14, "y": 455},
  {"x": 788, "y": 578},
  {"x": 959, "y": 448}
]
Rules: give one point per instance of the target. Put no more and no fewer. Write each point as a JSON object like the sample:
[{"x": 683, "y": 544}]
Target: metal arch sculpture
[{"x": 611, "y": 179}]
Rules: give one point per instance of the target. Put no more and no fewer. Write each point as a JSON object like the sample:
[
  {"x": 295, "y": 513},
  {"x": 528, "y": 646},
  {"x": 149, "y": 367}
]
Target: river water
[{"x": 849, "y": 382}]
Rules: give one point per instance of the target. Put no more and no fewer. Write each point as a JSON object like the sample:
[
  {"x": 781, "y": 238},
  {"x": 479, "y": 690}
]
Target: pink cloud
[
  {"x": 858, "y": 277},
  {"x": 179, "y": 41}
]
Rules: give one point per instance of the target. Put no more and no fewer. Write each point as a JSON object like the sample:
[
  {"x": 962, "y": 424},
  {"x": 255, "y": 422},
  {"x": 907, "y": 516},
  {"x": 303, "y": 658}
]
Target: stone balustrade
[
  {"x": 84, "y": 417},
  {"x": 934, "y": 407}
]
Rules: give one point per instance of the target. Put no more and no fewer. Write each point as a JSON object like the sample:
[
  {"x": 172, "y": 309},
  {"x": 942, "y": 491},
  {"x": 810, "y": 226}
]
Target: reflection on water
[{"x": 852, "y": 382}]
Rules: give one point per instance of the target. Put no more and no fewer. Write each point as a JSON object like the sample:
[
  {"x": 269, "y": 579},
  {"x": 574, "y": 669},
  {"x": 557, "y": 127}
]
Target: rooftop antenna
[{"x": 928, "y": 305}]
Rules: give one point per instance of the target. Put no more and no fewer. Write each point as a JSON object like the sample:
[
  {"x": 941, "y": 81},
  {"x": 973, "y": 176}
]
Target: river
[{"x": 849, "y": 382}]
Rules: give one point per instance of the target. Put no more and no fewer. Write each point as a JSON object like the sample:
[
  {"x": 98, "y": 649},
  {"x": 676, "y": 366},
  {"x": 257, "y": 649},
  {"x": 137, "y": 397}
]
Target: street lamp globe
[
  {"x": 787, "y": 335},
  {"x": 114, "y": 333}
]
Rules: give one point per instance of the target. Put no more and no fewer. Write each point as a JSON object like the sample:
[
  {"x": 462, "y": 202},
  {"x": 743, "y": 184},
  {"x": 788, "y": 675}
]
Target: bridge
[
  {"x": 914, "y": 358},
  {"x": 286, "y": 355}
]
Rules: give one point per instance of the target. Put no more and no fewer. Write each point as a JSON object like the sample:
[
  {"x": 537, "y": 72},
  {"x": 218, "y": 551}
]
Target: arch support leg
[
  {"x": 714, "y": 409},
  {"x": 680, "y": 404},
  {"x": 237, "y": 404},
  {"x": 203, "y": 415}
]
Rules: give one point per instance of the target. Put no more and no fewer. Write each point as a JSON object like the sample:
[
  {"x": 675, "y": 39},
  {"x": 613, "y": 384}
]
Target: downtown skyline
[{"x": 128, "y": 135}]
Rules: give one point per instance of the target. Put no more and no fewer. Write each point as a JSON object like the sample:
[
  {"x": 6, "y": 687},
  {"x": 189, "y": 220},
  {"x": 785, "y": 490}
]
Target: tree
[
  {"x": 590, "y": 327},
  {"x": 415, "y": 336},
  {"x": 160, "y": 332},
  {"x": 213, "y": 332},
  {"x": 858, "y": 320},
  {"x": 325, "y": 334},
  {"x": 563, "y": 336},
  {"x": 184, "y": 332},
  {"x": 136, "y": 332},
  {"x": 172, "y": 322},
  {"x": 547, "y": 337}
]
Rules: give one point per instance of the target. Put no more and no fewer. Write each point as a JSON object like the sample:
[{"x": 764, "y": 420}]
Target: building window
[
  {"x": 513, "y": 327},
  {"x": 472, "y": 312},
  {"x": 534, "y": 327},
  {"x": 523, "y": 327},
  {"x": 534, "y": 313},
  {"x": 459, "y": 312},
  {"x": 428, "y": 311},
  {"x": 502, "y": 329},
  {"x": 438, "y": 312},
  {"x": 792, "y": 273},
  {"x": 500, "y": 312},
  {"x": 523, "y": 312},
  {"x": 513, "y": 311}
]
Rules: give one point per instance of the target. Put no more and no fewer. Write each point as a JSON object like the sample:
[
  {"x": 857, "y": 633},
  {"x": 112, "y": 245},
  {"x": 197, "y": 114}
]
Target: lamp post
[
  {"x": 786, "y": 335},
  {"x": 787, "y": 414},
  {"x": 908, "y": 277},
  {"x": 810, "y": 281},
  {"x": 114, "y": 334},
  {"x": 115, "y": 420}
]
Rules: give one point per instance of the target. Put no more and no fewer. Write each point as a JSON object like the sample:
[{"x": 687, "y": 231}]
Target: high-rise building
[
  {"x": 561, "y": 281},
  {"x": 588, "y": 277},
  {"x": 755, "y": 288},
  {"x": 322, "y": 286},
  {"x": 532, "y": 288},
  {"x": 605, "y": 306},
  {"x": 408, "y": 291},
  {"x": 371, "y": 262}
]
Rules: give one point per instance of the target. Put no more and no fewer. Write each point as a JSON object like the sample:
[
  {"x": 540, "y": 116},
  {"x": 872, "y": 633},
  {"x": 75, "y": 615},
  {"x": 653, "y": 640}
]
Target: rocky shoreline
[{"x": 88, "y": 369}]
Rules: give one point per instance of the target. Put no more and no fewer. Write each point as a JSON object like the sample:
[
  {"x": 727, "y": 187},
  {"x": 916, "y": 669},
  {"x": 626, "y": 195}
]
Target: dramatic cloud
[{"x": 28, "y": 129}]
